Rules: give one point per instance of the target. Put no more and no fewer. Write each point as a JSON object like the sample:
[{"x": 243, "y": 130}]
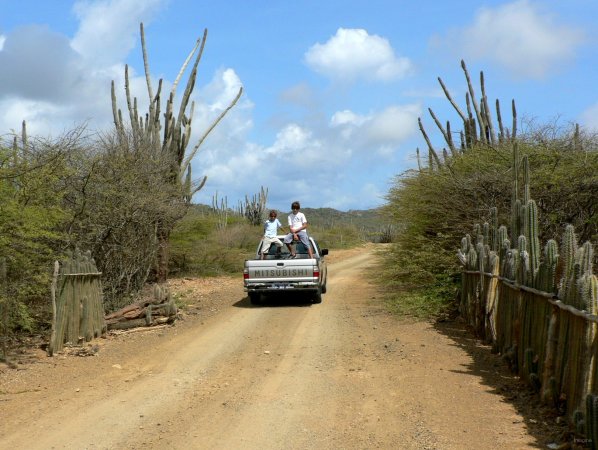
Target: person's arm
[
  {"x": 280, "y": 227},
  {"x": 303, "y": 224}
]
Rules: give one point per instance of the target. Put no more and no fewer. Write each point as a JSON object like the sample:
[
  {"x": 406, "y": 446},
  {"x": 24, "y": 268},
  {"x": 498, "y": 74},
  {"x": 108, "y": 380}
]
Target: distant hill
[{"x": 369, "y": 219}]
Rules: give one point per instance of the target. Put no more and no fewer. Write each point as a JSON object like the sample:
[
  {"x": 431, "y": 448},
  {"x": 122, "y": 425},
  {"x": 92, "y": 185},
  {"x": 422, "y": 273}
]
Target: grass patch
[{"x": 420, "y": 304}]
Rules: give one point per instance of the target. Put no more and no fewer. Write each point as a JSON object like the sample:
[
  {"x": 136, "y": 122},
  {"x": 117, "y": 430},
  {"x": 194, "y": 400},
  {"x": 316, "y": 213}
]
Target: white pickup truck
[{"x": 278, "y": 273}]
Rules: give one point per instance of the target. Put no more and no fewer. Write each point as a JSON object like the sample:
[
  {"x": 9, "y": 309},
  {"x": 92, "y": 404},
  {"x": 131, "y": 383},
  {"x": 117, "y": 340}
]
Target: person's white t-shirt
[
  {"x": 296, "y": 220},
  {"x": 271, "y": 227}
]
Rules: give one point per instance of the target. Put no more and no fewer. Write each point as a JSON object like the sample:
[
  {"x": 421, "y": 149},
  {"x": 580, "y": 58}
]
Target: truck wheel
[
  {"x": 324, "y": 289},
  {"x": 255, "y": 298},
  {"x": 317, "y": 298}
]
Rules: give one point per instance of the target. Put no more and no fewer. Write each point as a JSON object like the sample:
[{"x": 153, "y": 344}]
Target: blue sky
[{"x": 332, "y": 89}]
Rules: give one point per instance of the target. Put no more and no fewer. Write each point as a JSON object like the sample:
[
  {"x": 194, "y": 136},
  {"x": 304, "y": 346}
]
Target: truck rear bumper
[{"x": 264, "y": 288}]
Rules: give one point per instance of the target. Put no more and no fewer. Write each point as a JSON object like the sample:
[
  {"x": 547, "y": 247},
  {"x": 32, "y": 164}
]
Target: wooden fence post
[{"x": 52, "y": 344}]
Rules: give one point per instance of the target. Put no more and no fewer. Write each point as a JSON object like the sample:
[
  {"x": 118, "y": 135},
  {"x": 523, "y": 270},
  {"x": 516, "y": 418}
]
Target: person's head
[
  {"x": 272, "y": 215},
  {"x": 295, "y": 206}
]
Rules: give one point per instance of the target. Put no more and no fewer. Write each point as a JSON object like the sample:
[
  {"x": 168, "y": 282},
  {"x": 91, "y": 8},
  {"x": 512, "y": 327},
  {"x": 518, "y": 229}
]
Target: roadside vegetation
[
  {"x": 433, "y": 206},
  {"x": 106, "y": 195},
  {"x": 210, "y": 242},
  {"x": 117, "y": 194}
]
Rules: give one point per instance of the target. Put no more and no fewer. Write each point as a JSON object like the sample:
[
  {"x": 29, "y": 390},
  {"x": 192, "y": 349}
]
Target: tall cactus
[
  {"x": 515, "y": 201},
  {"x": 478, "y": 115},
  {"x": 548, "y": 267},
  {"x": 516, "y": 220},
  {"x": 569, "y": 248},
  {"x": 171, "y": 147},
  {"x": 494, "y": 242},
  {"x": 464, "y": 250},
  {"x": 526, "y": 183},
  {"x": 486, "y": 233},
  {"x": 504, "y": 250},
  {"x": 512, "y": 262},
  {"x": 589, "y": 293},
  {"x": 477, "y": 231},
  {"x": 531, "y": 233},
  {"x": 585, "y": 256},
  {"x": 255, "y": 209},
  {"x": 521, "y": 276},
  {"x": 571, "y": 270}
]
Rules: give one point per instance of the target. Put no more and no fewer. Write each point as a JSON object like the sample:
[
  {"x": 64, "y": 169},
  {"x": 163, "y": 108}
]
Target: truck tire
[
  {"x": 255, "y": 298},
  {"x": 317, "y": 298},
  {"x": 324, "y": 289}
]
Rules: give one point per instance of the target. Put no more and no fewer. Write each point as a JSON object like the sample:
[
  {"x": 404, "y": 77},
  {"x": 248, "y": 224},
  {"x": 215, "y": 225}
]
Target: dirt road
[{"x": 340, "y": 375}]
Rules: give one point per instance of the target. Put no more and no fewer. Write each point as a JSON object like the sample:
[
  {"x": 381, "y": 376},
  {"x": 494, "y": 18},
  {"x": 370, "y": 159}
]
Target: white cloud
[
  {"x": 109, "y": 29},
  {"x": 223, "y": 88},
  {"x": 347, "y": 117},
  {"x": 38, "y": 64},
  {"x": 320, "y": 166},
  {"x": 589, "y": 118},
  {"x": 55, "y": 83},
  {"x": 210, "y": 100},
  {"x": 39, "y": 115},
  {"x": 354, "y": 54},
  {"x": 394, "y": 124},
  {"x": 519, "y": 36},
  {"x": 382, "y": 131},
  {"x": 367, "y": 193}
]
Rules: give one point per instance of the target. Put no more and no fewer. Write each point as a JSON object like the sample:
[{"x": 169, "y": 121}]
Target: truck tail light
[
  {"x": 245, "y": 274},
  {"x": 316, "y": 273}
]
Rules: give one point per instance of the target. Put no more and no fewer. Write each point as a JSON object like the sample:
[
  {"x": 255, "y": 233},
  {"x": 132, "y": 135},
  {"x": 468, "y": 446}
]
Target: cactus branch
[
  {"x": 473, "y": 101},
  {"x": 450, "y": 99}
]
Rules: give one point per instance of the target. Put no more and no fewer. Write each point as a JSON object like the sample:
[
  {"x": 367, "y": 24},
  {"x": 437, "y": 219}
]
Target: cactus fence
[
  {"x": 77, "y": 309},
  {"x": 539, "y": 311}
]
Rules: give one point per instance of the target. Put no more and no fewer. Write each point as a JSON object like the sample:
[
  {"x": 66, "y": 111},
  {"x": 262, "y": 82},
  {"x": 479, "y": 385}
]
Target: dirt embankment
[{"x": 342, "y": 374}]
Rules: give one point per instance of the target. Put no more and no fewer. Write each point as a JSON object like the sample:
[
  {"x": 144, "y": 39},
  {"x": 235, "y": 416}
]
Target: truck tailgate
[{"x": 280, "y": 271}]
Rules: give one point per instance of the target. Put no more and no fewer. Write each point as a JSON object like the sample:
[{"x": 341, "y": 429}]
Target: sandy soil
[{"x": 286, "y": 375}]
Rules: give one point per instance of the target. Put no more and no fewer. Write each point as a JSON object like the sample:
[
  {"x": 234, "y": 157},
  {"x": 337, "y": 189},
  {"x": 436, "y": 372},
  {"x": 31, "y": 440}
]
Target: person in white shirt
[
  {"x": 298, "y": 227},
  {"x": 271, "y": 227}
]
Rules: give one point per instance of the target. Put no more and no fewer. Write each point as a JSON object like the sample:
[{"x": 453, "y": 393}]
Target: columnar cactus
[
  {"x": 526, "y": 184},
  {"x": 166, "y": 135},
  {"x": 592, "y": 418},
  {"x": 515, "y": 202},
  {"x": 512, "y": 262},
  {"x": 472, "y": 259},
  {"x": 486, "y": 233},
  {"x": 589, "y": 293},
  {"x": 477, "y": 231},
  {"x": 494, "y": 238},
  {"x": 547, "y": 270},
  {"x": 568, "y": 285},
  {"x": 531, "y": 233},
  {"x": 523, "y": 268},
  {"x": 584, "y": 256},
  {"x": 464, "y": 250},
  {"x": 569, "y": 248},
  {"x": 504, "y": 250},
  {"x": 481, "y": 252},
  {"x": 516, "y": 220}
]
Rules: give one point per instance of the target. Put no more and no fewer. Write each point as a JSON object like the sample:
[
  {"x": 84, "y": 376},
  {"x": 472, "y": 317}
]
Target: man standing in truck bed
[{"x": 298, "y": 227}]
